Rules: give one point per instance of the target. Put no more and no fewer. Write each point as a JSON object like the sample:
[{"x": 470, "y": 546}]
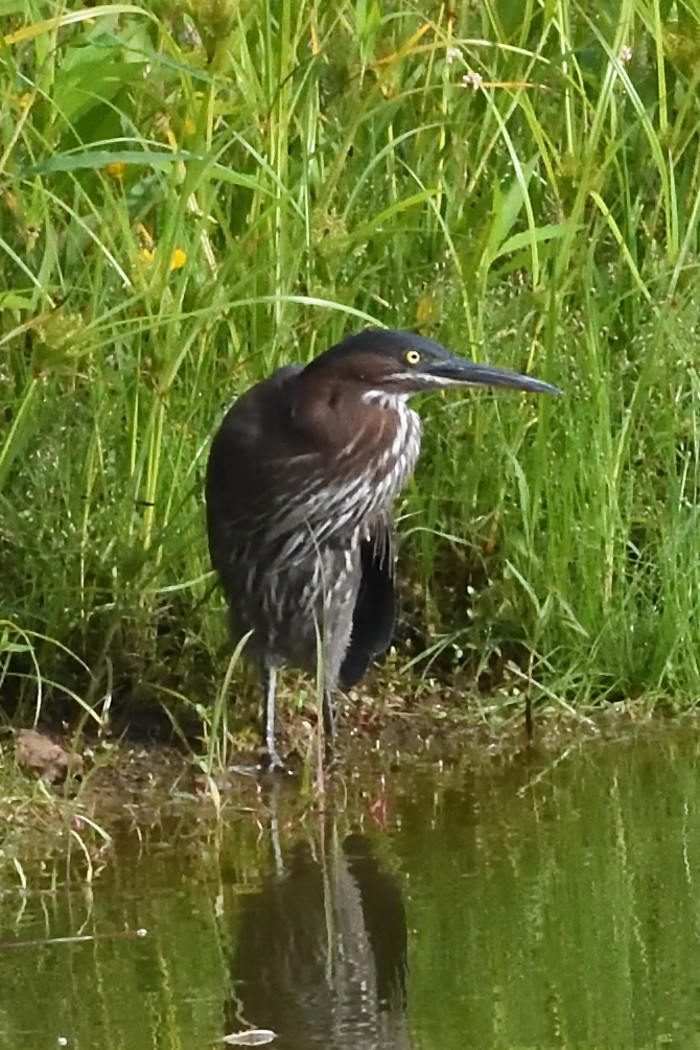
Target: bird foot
[
  {"x": 267, "y": 762},
  {"x": 271, "y": 762}
]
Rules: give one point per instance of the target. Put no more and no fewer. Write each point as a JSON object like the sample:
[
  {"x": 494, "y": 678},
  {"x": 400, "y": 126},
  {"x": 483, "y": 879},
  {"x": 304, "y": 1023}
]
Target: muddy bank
[{"x": 107, "y": 784}]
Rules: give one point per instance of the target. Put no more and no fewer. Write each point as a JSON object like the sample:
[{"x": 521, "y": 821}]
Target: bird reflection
[{"x": 321, "y": 950}]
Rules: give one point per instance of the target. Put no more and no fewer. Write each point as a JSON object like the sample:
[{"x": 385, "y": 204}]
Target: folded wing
[{"x": 375, "y": 608}]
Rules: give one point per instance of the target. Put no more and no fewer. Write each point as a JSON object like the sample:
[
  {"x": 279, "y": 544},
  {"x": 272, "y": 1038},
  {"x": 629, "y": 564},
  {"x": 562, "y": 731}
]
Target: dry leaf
[{"x": 38, "y": 754}]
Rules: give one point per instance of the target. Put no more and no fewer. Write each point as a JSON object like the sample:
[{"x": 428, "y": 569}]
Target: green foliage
[{"x": 193, "y": 194}]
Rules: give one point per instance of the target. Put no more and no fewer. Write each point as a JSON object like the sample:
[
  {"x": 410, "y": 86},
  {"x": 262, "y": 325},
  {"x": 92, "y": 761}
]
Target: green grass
[{"x": 311, "y": 168}]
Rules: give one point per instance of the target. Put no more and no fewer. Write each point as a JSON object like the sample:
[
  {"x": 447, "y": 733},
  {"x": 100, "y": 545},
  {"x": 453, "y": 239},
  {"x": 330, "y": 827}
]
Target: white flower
[
  {"x": 452, "y": 55},
  {"x": 625, "y": 55},
  {"x": 472, "y": 79}
]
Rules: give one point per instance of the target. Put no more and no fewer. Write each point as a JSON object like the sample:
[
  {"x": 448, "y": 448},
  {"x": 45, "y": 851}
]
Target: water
[{"x": 535, "y": 901}]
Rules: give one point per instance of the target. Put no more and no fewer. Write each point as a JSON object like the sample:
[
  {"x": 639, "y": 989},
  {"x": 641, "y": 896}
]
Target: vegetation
[{"x": 193, "y": 194}]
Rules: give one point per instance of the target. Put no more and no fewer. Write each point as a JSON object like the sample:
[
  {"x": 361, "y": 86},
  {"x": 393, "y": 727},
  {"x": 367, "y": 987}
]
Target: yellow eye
[{"x": 411, "y": 357}]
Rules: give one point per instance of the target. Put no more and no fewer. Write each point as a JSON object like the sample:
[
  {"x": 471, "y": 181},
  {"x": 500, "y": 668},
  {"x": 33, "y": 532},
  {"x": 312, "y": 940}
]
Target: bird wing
[
  {"x": 246, "y": 481},
  {"x": 375, "y": 607},
  {"x": 269, "y": 475}
]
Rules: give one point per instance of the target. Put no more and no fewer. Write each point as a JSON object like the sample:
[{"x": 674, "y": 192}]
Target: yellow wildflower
[
  {"x": 22, "y": 100},
  {"x": 147, "y": 250},
  {"x": 116, "y": 170}
]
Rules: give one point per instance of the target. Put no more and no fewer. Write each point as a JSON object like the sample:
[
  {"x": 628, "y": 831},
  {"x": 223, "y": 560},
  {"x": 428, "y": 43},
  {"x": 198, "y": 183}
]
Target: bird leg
[
  {"x": 328, "y": 722},
  {"x": 269, "y": 680},
  {"x": 328, "y": 719}
]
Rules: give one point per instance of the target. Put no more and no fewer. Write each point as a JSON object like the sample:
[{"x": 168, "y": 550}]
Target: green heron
[{"x": 300, "y": 482}]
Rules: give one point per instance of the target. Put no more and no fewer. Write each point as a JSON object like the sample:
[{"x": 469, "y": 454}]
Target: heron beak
[{"x": 458, "y": 371}]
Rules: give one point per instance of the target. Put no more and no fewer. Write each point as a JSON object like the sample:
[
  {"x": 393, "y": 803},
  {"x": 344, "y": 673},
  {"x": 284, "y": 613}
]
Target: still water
[{"x": 534, "y": 901}]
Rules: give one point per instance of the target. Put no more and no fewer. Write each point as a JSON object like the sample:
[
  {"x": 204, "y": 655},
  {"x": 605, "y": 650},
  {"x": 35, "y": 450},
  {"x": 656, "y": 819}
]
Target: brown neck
[{"x": 336, "y": 417}]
